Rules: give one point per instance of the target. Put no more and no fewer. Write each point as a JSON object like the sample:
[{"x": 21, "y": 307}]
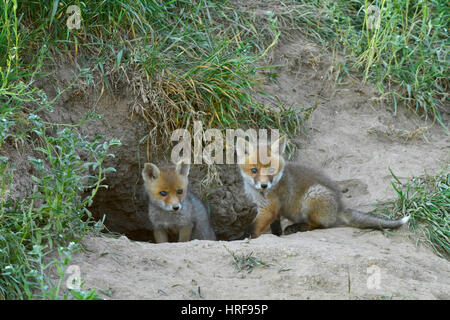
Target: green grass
[
  {"x": 427, "y": 200},
  {"x": 406, "y": 55}
]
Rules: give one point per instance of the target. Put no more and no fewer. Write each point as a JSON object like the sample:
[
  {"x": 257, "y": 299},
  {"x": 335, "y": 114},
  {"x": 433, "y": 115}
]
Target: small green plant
[
  {"x": 246, "y": 262},
  {"x": 47, "y": 289},
  {"x": 54, "y": 213},
  {"x": 63, "y": 177}
]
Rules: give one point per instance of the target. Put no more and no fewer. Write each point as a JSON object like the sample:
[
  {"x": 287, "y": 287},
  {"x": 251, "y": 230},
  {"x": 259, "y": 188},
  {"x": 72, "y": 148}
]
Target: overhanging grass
[{"x": 189, "y": 60}]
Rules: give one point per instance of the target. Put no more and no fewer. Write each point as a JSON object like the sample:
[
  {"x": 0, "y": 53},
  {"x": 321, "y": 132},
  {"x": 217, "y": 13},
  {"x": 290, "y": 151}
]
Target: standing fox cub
[
  {"x": 173, "y": 210},
  {"x": 301, "y": 195}
]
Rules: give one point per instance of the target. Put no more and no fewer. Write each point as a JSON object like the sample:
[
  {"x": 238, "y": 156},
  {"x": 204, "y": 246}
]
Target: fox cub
[
  {"x": 303, "y": 196},
  {"x": 174, "y": 211}
]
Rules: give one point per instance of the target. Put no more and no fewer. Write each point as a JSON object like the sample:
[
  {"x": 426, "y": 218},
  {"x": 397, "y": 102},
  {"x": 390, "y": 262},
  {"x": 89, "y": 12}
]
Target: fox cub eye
[
  {"x": 163, "y": 193},
  {"x": 254, "y": 170},
  {"x": 179, "y": 191}
]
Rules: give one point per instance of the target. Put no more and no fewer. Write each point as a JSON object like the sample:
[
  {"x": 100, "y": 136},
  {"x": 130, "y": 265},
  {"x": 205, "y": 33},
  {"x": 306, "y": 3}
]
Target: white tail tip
[{"x": 405, "y": 219}]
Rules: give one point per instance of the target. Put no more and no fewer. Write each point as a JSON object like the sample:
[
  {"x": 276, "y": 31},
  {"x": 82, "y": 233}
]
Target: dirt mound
[
  {"x": 348, "y": 128},
  {"x": 341, "y": 263}
]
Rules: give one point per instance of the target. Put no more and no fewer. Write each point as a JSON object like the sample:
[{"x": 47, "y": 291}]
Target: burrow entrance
[{"x": 124, "y": 202}]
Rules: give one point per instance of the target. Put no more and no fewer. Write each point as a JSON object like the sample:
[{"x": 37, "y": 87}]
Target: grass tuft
[
  {"x": 427, "y": 200},
  {"x": 246, "y": 262}
]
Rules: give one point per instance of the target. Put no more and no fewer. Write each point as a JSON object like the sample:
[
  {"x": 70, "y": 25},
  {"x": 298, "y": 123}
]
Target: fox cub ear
[
  {"x": 279, "y": 145},
  {"x": 182, "y": 168},
  {"x": 150, "y": 171}
]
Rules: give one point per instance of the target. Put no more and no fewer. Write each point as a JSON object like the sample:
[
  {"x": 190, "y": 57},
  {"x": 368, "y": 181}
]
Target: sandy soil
[{"x": 341, "y": 263}]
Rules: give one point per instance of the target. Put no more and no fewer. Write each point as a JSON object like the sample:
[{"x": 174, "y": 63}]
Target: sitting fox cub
[
  {"x": 301, "y": 195},
  {"x": 173, "y": 209}
]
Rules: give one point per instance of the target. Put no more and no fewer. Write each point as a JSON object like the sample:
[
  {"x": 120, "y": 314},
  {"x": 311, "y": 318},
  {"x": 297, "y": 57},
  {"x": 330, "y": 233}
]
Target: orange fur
[
  {"x": 169, "y": 181},
  {"x": 266, "y": 216}
]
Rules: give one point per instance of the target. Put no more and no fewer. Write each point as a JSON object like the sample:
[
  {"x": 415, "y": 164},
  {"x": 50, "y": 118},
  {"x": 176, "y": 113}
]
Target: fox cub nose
[
  {"x": 175, "y": 207},
  {"x": 264, "y": 185}
]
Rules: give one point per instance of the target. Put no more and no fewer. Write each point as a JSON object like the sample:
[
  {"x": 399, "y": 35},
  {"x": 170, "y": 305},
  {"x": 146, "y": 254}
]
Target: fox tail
[{"x": 362, "y": 220}]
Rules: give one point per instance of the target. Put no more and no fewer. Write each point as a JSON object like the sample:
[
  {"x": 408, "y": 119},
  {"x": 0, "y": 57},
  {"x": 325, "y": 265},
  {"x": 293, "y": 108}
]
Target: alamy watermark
[
  {"x": 373, "y": 17},
  {"x": 374, "y": 278},
  {"x": 74, "y": 279},
  {"x": 212, "y": 147},
  {"x": 74, "y": 20}
]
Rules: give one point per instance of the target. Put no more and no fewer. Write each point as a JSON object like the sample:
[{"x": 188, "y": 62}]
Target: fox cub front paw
[{"x": 296, "y": 227}]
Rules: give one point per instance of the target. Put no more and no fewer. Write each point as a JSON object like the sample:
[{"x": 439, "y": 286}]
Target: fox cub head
[
  {"x": 166, "y": 187},
  {"x": 262, "y": 167}
]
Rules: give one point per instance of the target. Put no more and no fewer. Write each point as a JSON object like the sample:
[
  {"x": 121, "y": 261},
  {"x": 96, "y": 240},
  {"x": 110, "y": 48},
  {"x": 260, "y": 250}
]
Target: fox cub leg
[
  {"x": 161, "y": 236},
  {"x": 268, "y": 215},
  {"x": 321, "y": 206},
  {"x": 185, "y": 234},
  {"x": 275, "y": 227}
]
